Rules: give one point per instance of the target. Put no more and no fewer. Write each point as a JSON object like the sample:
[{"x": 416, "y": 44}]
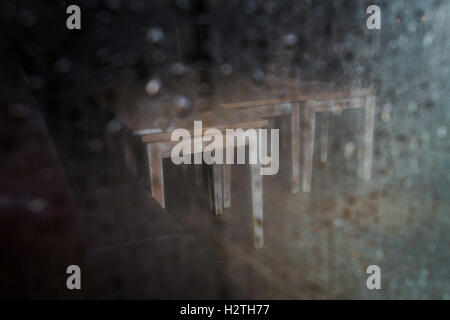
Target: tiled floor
[{"x": 317, "y": 245}]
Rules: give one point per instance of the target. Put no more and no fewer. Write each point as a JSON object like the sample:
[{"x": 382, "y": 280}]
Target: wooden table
[
  {"x": 159, "y": 145},
  {"x": 287, "y": 97}
]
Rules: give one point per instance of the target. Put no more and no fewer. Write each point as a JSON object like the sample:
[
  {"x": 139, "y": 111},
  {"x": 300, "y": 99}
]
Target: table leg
[
  {"x": 295, "y": 147},
  {"x": 257, "y": 204},
  {"x": 210, "y": 185},
  {"x": 156, "y": 172},
  {"x": 324, "y": 136},
  {"x": 130, "y": 156},
  {"x": 308, "y": 148},
  {"x": 368, "y": 137},
  {"x": 226, "y": 185},
  {"x": 218, "y": 191},
  {"x": 198, "y": 174}
]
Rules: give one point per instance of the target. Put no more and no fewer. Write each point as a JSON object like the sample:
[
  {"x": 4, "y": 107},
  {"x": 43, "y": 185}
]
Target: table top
[
  {"x": 216, "y": 118},
  {"x": 154, "y": 118},
  {"x": 143, "y": 124},
  {"x": 244, "y": 93}
]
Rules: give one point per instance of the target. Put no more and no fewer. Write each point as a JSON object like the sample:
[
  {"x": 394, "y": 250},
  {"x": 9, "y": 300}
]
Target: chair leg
[
  {"x": 218, "y": 191},
  {"x": 156, "y": 173},
  {"x": 324, "y": 136},
  {"x": 368, "y": 137},
  {"x": 308, "y": 148},
  {"x": 226, "y": 185},
  {"x": 295, "y": 147},
  {"x": 257, "y": 204}
]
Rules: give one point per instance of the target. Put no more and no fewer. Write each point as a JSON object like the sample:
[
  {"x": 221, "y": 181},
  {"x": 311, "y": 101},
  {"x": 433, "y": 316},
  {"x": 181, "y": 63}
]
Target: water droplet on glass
[
  {"x": 414, "y": 144},
  {"x": 62, "y": 65},
  {"x": 290, "y": 40},
  {"x": 113, "y": 4},
  {"x": 178, "y": 69},
  {"x": 226, "y": 69},
  {"x": 412, "y": 107},
  {"x": 114, "y": 126},
  {"x": 386, "y": 112},
  {"x": 183, "y": 5},
  {"x": 26, "y": 18},
  {"x": 96, "y": 145},
  {"x": 442, "y": 132},
  {"x": 137, "y": 6},
  {"x": 250, "y": 7},
  {"x": 182, "y": 106},
  {"x": 36, "y": 82},
  {"x": 379, "y": 254},
  {"x": 349, "y": 150},
  {"x": 155, "y": 35},
  {"x": 153, "y": 87},
  {"x": 258, "y": 75},
  {"x": 37, "y": 204},
  {"x": 338, "y": 222},
  {"x": 428, "y": 39}
]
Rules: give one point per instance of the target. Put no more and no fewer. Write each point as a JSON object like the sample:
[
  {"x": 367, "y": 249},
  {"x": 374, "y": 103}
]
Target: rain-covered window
[{"x": 213, "y": 149}]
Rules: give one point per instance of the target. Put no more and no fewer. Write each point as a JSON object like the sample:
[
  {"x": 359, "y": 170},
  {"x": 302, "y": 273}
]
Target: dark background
[{"x": 56, "y": 141}]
